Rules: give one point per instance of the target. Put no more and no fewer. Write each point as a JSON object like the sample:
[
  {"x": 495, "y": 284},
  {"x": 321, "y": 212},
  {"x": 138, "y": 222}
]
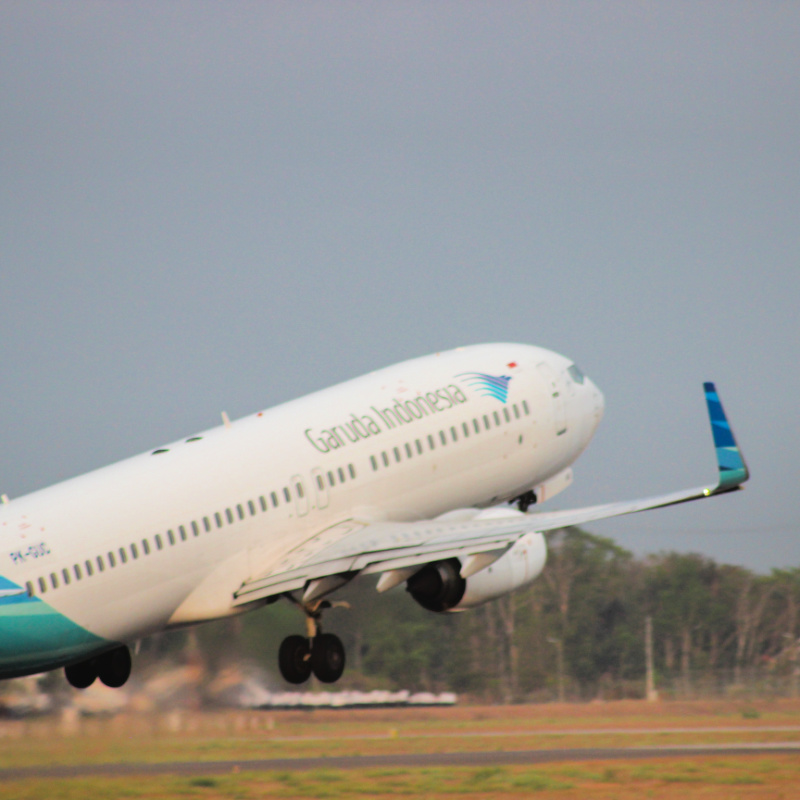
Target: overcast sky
[{"x": 208, "y": 206}]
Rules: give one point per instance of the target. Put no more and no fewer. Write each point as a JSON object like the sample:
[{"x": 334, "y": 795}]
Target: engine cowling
[{"x": 440, "y": 587}]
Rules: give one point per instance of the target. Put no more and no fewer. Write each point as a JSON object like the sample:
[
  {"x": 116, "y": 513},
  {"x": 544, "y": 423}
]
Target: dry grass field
[
  {"x": 773, "y": 778},
  {"x": 231, "y": 736}
]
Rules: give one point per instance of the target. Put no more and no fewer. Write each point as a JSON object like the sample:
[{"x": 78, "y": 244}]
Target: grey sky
[{"x": 209, "y": 206}]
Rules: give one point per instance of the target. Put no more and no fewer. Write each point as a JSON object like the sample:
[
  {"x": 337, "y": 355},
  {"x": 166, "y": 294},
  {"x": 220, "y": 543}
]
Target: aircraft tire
[
  {"x": 293, "y": 659},
  {"x": 327, "y": 658},
  {"x": 82, "y": 675},
  {"x": 114, "y": 667}
]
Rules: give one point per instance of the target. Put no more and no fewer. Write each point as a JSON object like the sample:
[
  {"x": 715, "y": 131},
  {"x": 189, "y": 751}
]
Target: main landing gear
[
  {"x": 317, "y": 652},
  {"x": 113, "y": 668}
]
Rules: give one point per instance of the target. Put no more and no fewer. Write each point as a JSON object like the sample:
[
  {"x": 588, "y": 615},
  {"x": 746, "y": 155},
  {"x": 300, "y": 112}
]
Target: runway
[{"x": 471, "y": 759}]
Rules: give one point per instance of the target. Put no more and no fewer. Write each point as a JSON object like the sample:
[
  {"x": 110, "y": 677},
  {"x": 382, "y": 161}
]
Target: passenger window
[
  {"x": 159, "y": 541},
  {"x": 442, "y": 437},
  {"x": 89, "y": 568},
  {"x": 287, "y": 494},
  {"x": 340, "y": 473},
  {"x": 229, "y": 515},
  {"x": 352, "y": 470},
  {"x": 486, "y": 423},
  {"x": 476, "y": 425},
  {"x": 274, "y": 498},
  {"x": 454, "y": 434},
  {"x": 29, "y": 589},
  {"x": 374, "y": 463},
  {"x": 100, "y": 565},
  {"x": 171, "y": 537},
  {"x": 409, "y": 452},
  {"x": 207, "y": 524},
  {"x": 418, "y": 443},
  {"x": 516, "y": 411},
  {"x": 146, "y": 547},
  {"x": 42, "y": 586},
  {"x": 65, "y": 573},
  {"x": 331, "y": 479},
  {"x": 112, "y": 561},
  {"x": 123, "y": 556},
  {"x": 385, "y": 459},
  {"x": 182, "y": 531},
  {"x": 396, "y": 455},
  {"x": 54, "y": 580},
  {"x": 506, "y": 414},
  {"x": 525, "y": 407},
  {"x": 263, "y": 501},
  {"x": 240, "y": 511},
  {"x": 134, "y": 551},
  {"x": 78, "y": 573},
  {"x": 465, "y": 428},
  {"x": 431, "y": 442},
  {"x": 320, "y": 483},
  {"x": 218, "y": 519},
  {"x": 299, "y": 488},
  {"x": 496, "y": 418},
  {"x": 195, "y": 528}
]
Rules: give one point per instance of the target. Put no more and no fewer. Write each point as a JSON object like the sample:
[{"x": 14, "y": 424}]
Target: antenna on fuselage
[{"x": 226, "y": 420}]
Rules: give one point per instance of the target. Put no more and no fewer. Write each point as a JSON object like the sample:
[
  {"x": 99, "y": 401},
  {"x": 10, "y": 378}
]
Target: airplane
[{"x": 422, "y": 473}]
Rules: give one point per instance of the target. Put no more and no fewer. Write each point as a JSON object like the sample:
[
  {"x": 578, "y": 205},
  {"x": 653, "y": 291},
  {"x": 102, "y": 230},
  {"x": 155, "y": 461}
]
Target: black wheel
[
  {"x": 294, "y": 660},
  {"x": 114, "y": 667},
  {"x": 327, "y": 658},
  {"x": 82, "y": 675}
]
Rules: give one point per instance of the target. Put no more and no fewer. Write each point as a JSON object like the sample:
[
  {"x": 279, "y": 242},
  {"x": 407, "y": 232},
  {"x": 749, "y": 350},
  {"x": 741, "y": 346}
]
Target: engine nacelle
[{"x": 440, "y": 587}]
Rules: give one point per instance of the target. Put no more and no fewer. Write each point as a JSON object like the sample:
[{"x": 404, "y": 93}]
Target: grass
[
  {"x": 710, "y": 779},
  {"x": 97, "y": 750},
  {"x": 259, "y": 735},
  {"x": 242, "y": 736}
]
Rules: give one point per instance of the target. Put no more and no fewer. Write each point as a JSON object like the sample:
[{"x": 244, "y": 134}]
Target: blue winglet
[{"x": 732, "y": 469}]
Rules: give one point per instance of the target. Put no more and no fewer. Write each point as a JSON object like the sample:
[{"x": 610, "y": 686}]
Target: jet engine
[{"x": 440, "y": 586}]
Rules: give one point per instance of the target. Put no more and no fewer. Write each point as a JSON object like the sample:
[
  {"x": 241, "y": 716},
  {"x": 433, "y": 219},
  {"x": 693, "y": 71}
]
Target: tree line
[{"x": 577, "y": 632}]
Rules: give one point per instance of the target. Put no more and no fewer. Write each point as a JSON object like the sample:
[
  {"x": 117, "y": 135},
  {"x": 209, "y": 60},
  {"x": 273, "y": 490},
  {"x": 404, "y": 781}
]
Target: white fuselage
[{"x": 166, "y": 538}]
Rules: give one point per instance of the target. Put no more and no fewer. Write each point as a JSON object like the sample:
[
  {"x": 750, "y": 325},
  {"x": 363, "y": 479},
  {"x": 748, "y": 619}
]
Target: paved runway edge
[{"x": 412, "y": 760}]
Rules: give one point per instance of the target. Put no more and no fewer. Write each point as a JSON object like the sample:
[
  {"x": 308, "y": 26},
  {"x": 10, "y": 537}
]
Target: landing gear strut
[
  {"x": 317, "y": 652},
  {"x": 113, "y": 668}
]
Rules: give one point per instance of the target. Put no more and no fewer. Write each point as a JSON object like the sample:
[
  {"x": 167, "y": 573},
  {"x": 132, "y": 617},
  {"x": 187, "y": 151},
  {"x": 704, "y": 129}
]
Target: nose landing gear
[
  {"x": 319, "y": 653},
  {"x": 526, "y": 500}
]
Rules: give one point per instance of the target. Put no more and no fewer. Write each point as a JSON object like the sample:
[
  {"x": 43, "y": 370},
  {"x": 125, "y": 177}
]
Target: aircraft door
[
  {"x": 555, "y": 386},
  {"x": 320, "y": 487},
  {"x": 300, "y": 495}
]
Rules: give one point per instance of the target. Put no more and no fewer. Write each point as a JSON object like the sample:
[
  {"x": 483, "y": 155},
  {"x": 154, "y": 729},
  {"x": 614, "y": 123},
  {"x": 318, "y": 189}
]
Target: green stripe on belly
[{"x": 34, "y": 637}]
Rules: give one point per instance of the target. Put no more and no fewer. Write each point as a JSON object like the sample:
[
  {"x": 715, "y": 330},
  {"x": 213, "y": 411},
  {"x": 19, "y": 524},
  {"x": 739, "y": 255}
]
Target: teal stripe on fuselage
[{"x": 34, "y": 637}]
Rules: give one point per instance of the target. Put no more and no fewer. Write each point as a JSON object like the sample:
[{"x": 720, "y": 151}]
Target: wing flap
[{"x": 482, "y": 539}]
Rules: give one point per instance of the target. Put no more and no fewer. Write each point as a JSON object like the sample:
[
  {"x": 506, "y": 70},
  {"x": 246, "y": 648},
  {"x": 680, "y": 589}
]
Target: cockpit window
[{"x": 575, "y": 373}]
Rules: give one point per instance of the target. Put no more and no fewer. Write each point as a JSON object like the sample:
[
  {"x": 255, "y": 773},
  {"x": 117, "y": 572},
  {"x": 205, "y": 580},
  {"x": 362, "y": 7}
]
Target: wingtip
[{"x": 732, "y": 468}]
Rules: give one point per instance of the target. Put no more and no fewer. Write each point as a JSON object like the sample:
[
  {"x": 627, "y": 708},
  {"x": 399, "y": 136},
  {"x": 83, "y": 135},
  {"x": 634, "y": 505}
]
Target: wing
[{"x": 477, "y": 538}]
